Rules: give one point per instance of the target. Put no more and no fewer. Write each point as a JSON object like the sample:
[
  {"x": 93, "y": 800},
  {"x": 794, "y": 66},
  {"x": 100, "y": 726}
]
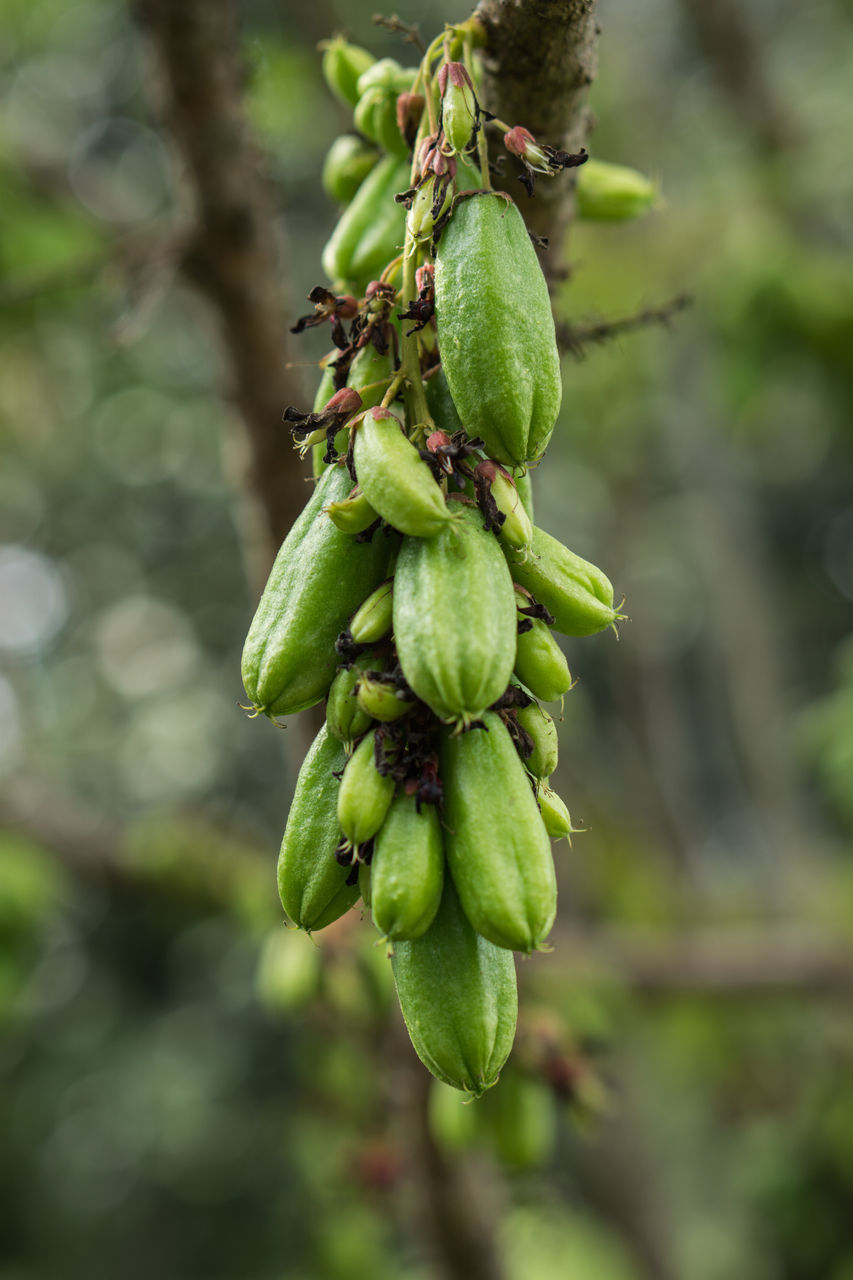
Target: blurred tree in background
[{"x": 187, "y": 1088}]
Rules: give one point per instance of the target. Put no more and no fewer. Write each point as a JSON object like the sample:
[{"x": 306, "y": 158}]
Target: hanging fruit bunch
[{"x": 414, "y": 594}]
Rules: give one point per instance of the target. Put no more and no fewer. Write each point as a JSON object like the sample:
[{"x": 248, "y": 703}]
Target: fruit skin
[
  {"x": 343, "y": 64},
  {"x": 311, "y": 884},
  {"x": 372, "y": 620},
  {"x": 540, "y": 663},
  {"x": 348, "y": 162},
  {"x": 395, "y": 479},
  {"x": 577, "y": 593},
  {"x": 354, "y": 514},
  {"x": 319, "y": 578},
  {"x": 613, "y": 192},
  {"x": 371, "y": 228},
  {"x": 459, "y": 998},
  {"x": 345, "y": 718},
  {"x": 407, "y": 871},
  {"x": 541, "y": 728},
  {"x": 379, "y": 699},
  {"x": 495, "y": 329},
  {"x": 441, "y": 404},
  {"x": 454, "y": 618},
  {"x": 376, "y": 110},
  {"x": 364, "y": 796},
  {"x": 497, "y": 847},
  {"x": 555, "y": 815}
]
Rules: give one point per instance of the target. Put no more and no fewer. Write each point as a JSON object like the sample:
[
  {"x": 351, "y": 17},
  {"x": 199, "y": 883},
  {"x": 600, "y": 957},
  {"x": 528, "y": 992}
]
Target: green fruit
[
  {"x": 576, "y": 592},
  {"x": 540, "y": 663},
  {"x": 613, "y": 192},
  {"x": 459, "y": 999},
  {"x": 345, "y": 719},
  {"x": 496, "y": 844},
  {"x": 541, "y": 728},
  {"x": 369, "y": 375},
  {"x": 454, "y": 618},
  {"x": 311, "y": 884},
  {"x": 395, "y": 479},
  {"x": 495, "y": 329},
  {"x": 376, "y": 110},
  {"x": 288, "y": 972},
  {"x": 371, "y": 229},
  {"x": 522, "y": 1121},
  {"x": 555, "y": 815},
  {"x": 381, "y": 699},
  {"x": 348, "y": 162},
  {"x": 407, "y": 871},
  {"x": 372, "y": 621},
  {"x": 319, "y": 577},
  {"x": 343, "y": 63},
  {"x": 364, "y": 796},
  {"x": 353, "y": 514},
  {"x": 452, "y": 1122}
]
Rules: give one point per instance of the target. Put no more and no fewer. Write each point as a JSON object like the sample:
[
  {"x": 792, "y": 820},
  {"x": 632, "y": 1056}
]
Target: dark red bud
[
  {"x": 409, "y": 110},
  {"x": 345, "y": 401},
  {"x": 518, "y": 139},
  {"x": 425, "y": 277},
  {"x": 457, "y": 74},
  {"x": 346, "y": 306},
  {"x": 438, "y": 440}
]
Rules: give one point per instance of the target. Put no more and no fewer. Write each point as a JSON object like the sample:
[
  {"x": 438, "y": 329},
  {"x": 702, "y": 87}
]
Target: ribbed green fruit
[
  {"x": 364, "y": 796},
  {"x": 345, "y": 718},
  {"x": 555, "y": 815},
  {"x": 459, "y": 999},
  {"x": 319, "y": 578},
  {"x": 370, "y": 230},
  {"x": 395, "y": 479},
  {"x": 543, "y": 731},
  {"x": 311, "y": 884},
  {"x": 407, "y": 871},
  {"x": 348, "y": 162},
  {"x": 540, "y": 663},
  {"x": 496, "y": 844},
  {"x": 495, "y": 329},
  {"x": 454, "y": 618},
  {"x": 577, "y": 593}
]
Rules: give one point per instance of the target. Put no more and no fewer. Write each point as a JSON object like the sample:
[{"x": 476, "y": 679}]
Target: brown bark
[
  {"x": 230, "y": 254},
  {"x": 540, "y": 60}
]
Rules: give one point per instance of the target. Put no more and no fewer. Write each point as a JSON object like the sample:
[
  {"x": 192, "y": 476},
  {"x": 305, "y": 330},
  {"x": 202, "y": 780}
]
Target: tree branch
[
  {"x": 574, "y": 337},
  {"x": 539, "y": 61},
  {"x": 230, "y": 251}
]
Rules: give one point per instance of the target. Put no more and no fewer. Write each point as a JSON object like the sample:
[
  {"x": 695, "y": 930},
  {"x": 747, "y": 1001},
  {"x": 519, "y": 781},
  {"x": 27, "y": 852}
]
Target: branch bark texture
[
  {"x": 230, "y": 252},
  {"x": 540, "y": 60}
]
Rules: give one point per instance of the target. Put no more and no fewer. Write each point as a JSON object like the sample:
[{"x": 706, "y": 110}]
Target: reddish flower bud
[
  {"x": 409, "y": 111},
  {"x": 437, "y": 440},
  {"x": 344, "y": 402}
]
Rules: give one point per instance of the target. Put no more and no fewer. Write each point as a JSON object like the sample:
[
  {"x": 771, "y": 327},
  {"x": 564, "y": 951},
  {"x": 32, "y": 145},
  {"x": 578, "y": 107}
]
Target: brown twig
[
  {"x": 409, "y": 31},
  {"x": 574, "y": 337}
]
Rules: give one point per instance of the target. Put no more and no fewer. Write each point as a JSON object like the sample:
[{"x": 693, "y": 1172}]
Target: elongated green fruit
[
  {"x": 343, "y": 63},
  {"x": 319, "y": 577},
  {"x": 555, "y": 815},
  {"x": 348, "y": 162},
  {"x": 370, "y": 228},
  {"x": 372, "y": 620},
  {"x": 540, "y": 663},
  {"x": 613, "y": 192},
  {"x": 353, "y": 514},
  {"x": 311, "y": 885},
  {"x": 345, "y": 719},
  {"x": 459, "y": 999},
  {"x": 395, "y": 479},
  {"x": 496, "y": 844},
  {"x": 577, "y": 593},
  {"x": 454, "y": 618},
  {"x": 407, "y": 871},
  {"x": 543, "y": 731},
  {"x": 495, "y": 329},
  {"x": 380, "y": 699},
  {"x": 364, "y": 795},
  {"x": 522, "y": 1121}
]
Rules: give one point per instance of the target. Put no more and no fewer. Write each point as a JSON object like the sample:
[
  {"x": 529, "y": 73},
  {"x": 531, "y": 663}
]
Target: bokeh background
[{"x": 189, "y": 1090}]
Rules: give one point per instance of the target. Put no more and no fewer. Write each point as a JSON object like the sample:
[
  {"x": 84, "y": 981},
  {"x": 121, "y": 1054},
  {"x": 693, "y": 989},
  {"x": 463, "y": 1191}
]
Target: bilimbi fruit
[{"x": 415, "y": 594}]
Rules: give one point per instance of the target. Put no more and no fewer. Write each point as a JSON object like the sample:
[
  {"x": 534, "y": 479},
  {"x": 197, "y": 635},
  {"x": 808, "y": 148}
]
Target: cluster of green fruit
[{"x": 414, "y": 592}]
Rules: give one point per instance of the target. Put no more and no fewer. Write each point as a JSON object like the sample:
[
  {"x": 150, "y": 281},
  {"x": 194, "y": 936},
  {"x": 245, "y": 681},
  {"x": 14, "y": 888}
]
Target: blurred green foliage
[{"x": 187, "y": 1088}]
